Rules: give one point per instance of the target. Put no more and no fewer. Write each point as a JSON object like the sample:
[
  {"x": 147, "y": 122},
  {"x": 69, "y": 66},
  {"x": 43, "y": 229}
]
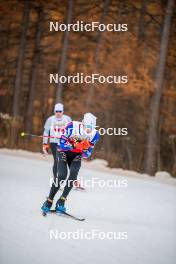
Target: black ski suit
[{"x": 73, "y": 160}]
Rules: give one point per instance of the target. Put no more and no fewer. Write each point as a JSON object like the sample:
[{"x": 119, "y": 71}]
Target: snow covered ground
[{"x": 140, "y": 212}]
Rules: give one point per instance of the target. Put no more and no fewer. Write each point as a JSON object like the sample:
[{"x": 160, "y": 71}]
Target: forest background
[{"x": 146, "y": 53}]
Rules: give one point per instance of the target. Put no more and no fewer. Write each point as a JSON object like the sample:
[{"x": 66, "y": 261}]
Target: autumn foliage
[{"x": 133, "y": 53}]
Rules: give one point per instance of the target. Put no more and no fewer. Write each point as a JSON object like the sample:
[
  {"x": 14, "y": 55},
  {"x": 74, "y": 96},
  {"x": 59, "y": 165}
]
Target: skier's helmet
[{"x": 89, "y": 121}]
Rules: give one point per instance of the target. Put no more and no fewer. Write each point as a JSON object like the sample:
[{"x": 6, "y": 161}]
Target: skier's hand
[
  {"x": 86, "y": 144},
  {"x": 83, "y": 145},
  {"x": 45, "y": 149}
]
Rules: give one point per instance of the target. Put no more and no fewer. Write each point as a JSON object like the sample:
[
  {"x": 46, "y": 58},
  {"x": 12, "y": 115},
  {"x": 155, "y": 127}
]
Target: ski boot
[
  {"x": 47, "y": 205},
  {"x": 60, "y": 205}
]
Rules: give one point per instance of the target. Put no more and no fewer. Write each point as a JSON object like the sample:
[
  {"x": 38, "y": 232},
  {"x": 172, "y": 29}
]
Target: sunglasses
[{"x": 58, "y": 111}]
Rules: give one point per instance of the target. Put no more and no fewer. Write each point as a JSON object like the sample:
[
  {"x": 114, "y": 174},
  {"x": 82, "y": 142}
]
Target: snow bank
[{"x": 96, "y": 164}]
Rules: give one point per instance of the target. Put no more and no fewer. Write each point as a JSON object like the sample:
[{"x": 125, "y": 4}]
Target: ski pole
[{"x": 23, "y": 134}]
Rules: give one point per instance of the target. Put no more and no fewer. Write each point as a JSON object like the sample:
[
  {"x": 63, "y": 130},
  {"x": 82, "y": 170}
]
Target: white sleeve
[
  {"x": 69, "y": 119},
  {"x": 46, "y": 131}
]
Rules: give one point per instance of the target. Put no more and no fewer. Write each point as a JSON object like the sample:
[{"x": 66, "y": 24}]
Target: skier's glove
[
  {"x": 45, "y": 148},
  {"x": 83, "y": 145}
]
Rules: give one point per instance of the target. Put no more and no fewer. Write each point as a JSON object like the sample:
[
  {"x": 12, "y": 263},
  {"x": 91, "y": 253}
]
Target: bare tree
[
  {"x": 99, "y": 33},
  {"x": 64, "y": 48},
  {"x": 34, "y": 70},
  {"x": 173, "y": 145},
  {"x": 151, "y": 149},
  {"x": 140, "y": 34},
  {"x": 19, "y": 72},
  {"x": 97, "y": 51}
]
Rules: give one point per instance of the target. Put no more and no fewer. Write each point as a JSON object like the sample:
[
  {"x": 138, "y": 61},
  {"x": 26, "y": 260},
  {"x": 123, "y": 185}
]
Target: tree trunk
[
  {"x": 96, "y": 53},
  {"x": 33, "y": 74},
  {"x": 151, "y": 149},
  {"x": 173, "y": 137},
  {"x": 19, "y": 73},
  {"x": 99, "y": 33},
  {"x": 140, "y": 34},
  {"x": 63, "y": 59}
]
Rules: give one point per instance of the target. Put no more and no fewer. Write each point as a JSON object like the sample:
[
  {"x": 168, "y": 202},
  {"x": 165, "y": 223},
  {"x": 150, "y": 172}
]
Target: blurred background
[{"x": 146, "y": 53}]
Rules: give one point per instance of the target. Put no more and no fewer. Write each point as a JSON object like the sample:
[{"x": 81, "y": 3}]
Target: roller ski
[{"x": 59, "y": 210}]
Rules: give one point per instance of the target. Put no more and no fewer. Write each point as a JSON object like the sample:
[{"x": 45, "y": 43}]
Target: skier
[
  {"x": 77, "y": 142},
  {"x": 52, "y": 128}
]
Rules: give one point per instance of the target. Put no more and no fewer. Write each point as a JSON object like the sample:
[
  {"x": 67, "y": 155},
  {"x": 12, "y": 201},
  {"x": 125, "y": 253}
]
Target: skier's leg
[
  {"x": 76, "y": 183},
  {"x": 54, "y": 153},
  {"x": 74, "y": 169},
  {"x": 62, "y": 174}
]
